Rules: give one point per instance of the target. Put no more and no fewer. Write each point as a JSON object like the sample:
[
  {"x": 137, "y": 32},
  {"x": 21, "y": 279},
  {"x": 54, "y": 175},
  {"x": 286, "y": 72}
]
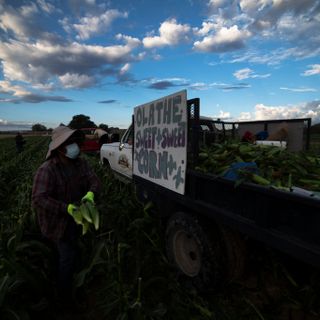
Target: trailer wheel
[
  {"x": 191, "y": 250},
  {"x": 208, "y": 255}
]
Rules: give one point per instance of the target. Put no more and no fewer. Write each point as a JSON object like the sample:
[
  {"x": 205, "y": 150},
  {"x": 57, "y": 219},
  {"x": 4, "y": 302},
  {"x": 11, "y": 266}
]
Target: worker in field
[
  {"x": 102, "y": 136},
  {"x": 20, "y": 142},
  {"x": 59, "y": 186}
]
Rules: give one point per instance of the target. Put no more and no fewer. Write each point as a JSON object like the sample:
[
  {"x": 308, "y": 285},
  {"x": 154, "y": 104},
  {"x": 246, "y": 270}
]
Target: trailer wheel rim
[{"x": 187, "y": 253}]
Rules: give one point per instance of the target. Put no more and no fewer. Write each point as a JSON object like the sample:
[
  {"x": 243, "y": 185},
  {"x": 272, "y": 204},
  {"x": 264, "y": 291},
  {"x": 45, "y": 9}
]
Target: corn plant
[{"x": 123, "y": 272}]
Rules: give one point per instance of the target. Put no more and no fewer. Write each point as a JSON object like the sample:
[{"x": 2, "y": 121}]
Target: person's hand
[
  {"x": 88, "y": 197},
  {"x": 72, "y": 208}
]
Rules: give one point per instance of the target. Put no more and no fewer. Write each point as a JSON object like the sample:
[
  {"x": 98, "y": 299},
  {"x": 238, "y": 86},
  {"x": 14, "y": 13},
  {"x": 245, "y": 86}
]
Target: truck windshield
[{"x": 128, "y": 136}]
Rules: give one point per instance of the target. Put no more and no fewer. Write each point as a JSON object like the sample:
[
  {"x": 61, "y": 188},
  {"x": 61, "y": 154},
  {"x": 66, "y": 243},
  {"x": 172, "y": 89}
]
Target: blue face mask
[{"x": 72, "y": 151}]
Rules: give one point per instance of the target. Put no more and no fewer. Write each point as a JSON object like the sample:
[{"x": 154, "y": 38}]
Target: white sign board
[{"x": 160, "y": 141}]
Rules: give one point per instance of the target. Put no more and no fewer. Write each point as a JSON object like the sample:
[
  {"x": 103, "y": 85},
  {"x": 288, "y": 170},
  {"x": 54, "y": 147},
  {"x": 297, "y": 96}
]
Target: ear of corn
[
  {"x": 85, "y": 212},
  {"x": 85, "y": 215},
  {"x": 276, "y": 167},
  {"x": 94, "y": 214}
]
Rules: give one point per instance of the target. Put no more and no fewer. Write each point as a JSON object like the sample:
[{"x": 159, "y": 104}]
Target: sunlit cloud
[
  {"x": 314, "y": 69},
  {"x": 223, "y": 115},
  {"x": 170, "y": 33},
  {"x": 93, "y": 24},
  {"x": 248, "y": 73},
  {"x": 299, "y": 89},
  {"x": 225, "y": 39}
]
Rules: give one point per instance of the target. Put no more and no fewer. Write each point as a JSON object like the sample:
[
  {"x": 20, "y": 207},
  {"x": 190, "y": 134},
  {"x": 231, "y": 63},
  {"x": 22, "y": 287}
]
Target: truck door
[{"x": 124, "y": 159}]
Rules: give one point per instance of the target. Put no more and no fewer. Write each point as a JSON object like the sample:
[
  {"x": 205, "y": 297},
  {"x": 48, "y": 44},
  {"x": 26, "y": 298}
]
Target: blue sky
[{"x": 244, "y": 59}]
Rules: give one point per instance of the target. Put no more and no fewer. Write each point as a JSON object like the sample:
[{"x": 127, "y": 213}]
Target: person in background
[
  {"x": 248, "y": 137},
  {"x": 262, "y": 135},
  {"x": 60, "y": 184},
  {"x": 102, "y": 135},
  {"x": 20, "y": 142}
]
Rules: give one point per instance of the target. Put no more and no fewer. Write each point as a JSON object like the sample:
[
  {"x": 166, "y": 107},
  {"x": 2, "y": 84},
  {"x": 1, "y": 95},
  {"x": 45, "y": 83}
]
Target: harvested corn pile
[{"x": 265, "y": 165}]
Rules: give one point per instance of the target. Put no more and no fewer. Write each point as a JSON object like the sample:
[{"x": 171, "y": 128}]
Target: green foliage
[
  {"x": 123, "y": 272},
  {"x": 104, "y": 127},
  {"x": 39, "y": 127},
  {"x": 81, "y": 121}
]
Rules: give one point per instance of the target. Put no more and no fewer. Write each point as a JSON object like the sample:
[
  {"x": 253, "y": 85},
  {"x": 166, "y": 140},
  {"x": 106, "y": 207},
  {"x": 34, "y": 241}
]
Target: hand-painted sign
[{"x": 160, "y": 141}]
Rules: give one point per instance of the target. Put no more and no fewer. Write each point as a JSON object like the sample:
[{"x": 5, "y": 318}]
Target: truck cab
[{"x": 118, "y": 155}]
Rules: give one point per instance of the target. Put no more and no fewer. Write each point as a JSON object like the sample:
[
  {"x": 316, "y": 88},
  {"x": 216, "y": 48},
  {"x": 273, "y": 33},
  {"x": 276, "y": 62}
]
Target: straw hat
[{"x": 59, "y": 135}]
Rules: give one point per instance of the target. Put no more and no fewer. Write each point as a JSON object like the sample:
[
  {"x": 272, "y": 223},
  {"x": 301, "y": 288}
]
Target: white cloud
[
  {"x": 302, "y": 89},
  {"x": 92, "y": 25},
  {"x": 217, "y": 3},
  {"x": 225, "y": 39},
  {"x": 314, "y": 69},
  {"x": 125, "y": 68},
  {"x": 7, "y": 88},
  {"x": 19, "y": 21},
  {"x": 207, "y": 27},
  {"x": 223, "y": 115},
  {"x": 170, "y": 33},
  {"x": 199, "y": 86},
  {"x": 248, "y": 73},
  {"x": 75, "y": 80},
  {"x": 275, "y": 57},
  {"x": 302, "y": 110},
  {"x": 46, "y": 6},
  {"x": 243, "y": 73},
  {"x": 40, "y": 63},
  {"x": 20, "y": 94},
  {"x": 253, "y": 6},
  {"x": 263, "y": 112},
  {"x": 245, "y": 116},
  {"x": 132, "y": 42},
  {"x": 265, "y": 20}
]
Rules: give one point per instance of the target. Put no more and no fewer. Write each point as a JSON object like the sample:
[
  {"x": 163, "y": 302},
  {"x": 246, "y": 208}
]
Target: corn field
[{"x": 123, "y": 272}]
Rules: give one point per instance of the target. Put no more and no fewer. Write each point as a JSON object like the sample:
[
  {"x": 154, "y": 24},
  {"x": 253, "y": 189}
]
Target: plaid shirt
[{"x": 55, "y": 186}]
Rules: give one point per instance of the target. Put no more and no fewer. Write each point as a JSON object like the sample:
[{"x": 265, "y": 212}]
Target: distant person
[
  {"x": 262, "y": 135},
  {"x": 59, "y": 186},
  {"x": 248, "y": 137},
  {"x": 20, "y": 142},
  {"x": 102, "y": 135}
]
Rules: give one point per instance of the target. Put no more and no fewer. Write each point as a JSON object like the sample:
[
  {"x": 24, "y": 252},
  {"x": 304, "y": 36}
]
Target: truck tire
[
  {"x": 207, "y": 255},
  {"x": 192, "y": 251}
]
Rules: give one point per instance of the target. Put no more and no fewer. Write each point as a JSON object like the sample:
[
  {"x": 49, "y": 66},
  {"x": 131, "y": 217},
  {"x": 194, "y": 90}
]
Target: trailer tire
[
  {"x": 204, "y": 253},
  {"x": 192, "y": 251}
]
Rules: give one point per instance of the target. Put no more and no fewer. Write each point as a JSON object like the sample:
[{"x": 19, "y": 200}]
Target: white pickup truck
[{"x": 205, "y": 215}]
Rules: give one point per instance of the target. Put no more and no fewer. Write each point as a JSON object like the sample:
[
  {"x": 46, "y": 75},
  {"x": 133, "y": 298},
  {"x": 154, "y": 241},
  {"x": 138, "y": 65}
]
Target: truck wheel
[
  {"x": 191, "y": 250},
  {"x": 208, "y": 255}
]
